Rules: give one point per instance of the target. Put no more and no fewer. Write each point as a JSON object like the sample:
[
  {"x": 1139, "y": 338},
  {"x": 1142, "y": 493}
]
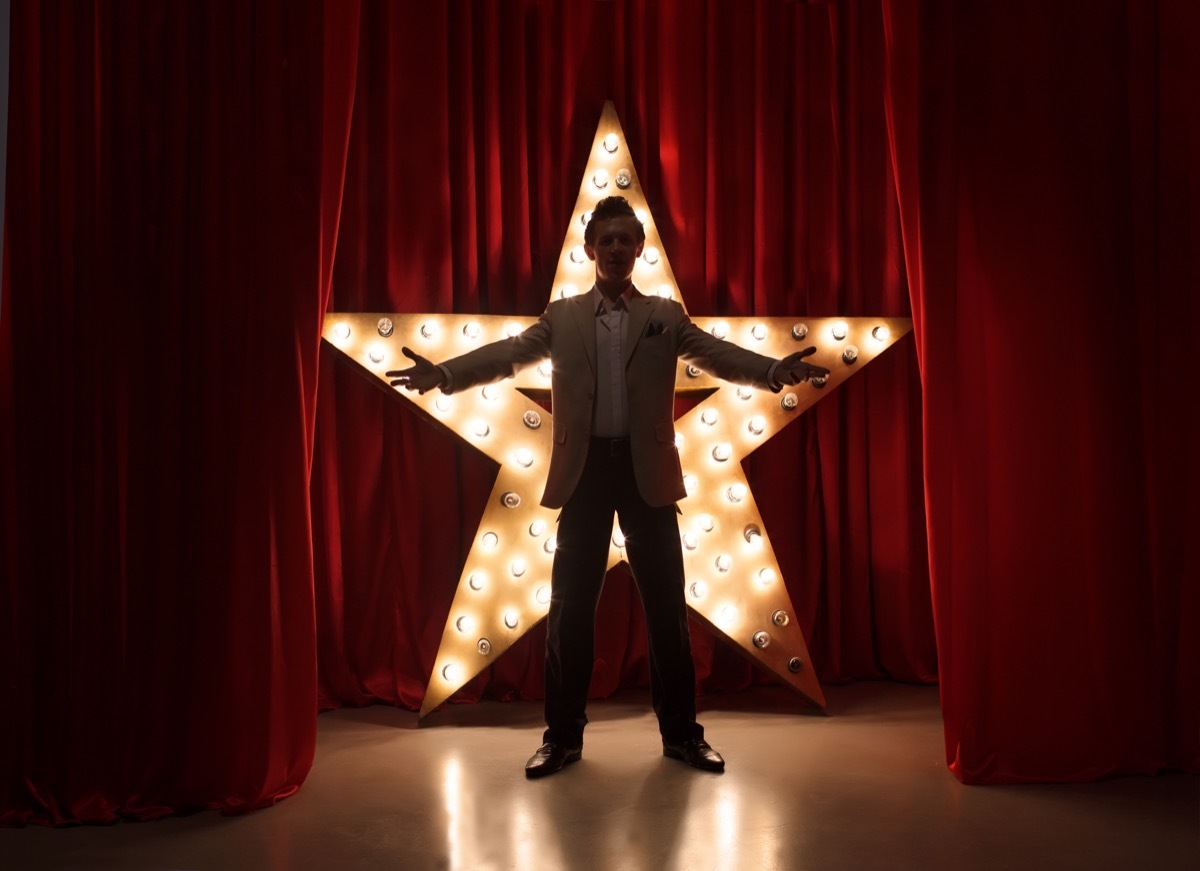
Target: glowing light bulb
[
  {"x": 475, "y": 581},
  {"x": 489, "y": 392},
  {"x": 766, "y": 576},
  {"x": 611, "y": 143},
  {"x": 551, "y": 544},
  {"x": 542, "y": 595},
  {"x": 839, "y": 330},
  {"x": 678, "y": 440},
  {"x": 384, "y": 327},
  {"x": 722, "y": 452},
  {"x": 706, "y": 522},
  {"x": 483, "y": 646},
  {"x": 624, "y": 178},
  {"x": 698, "y": 589},
  {"x": 342, "y": 331},
  {"x": 618, "y": 538},
  {"x": 451, "y": 672},
  {"x": 665, "y": 291},
  {"x": 471, "y": 329},
  {"x": 544, "y": 369},
  {"x": 709, "y": 416},
  {"x": 728, "y": 614},
  {"x": 480, "y": 428},
  {"x": 723, "y": 562},
  {"x": 744, "y": 392},
  {"x": 375, "y": 353},
  {"x": 757, "y": 424},
  {"x": 642, "y": 215},
  {"x": 650, "y": 254},
  {"x": 442, "y": 403},
  {"x": 567, "y": 291},
  {"x": 578, "y": 255},
  {"x": 759, "y": 332},
  {"x": 850, "y": 354},
  {"x": 761, "y": 639},
  {"x": 690, "y": 484},
  {"x": 881, "y": 333},
  {"x": 780, "y": 618},
  {"x": 428, "y": 330},
  {"x": 511, "y": 618},
  {"x": 586, "y": 218},
  {"x": 532, "y": 419},
  {"x": 736, "y": 492},
  {"x": 600, "y": 179},
  {"x": 489, "y": 540},
  {"x": 537, "y": 528},
  {"x": 517, "y": 567},
  {"x": 690, "y": 541},
  {"x": 524, "y": 457},
  {"x": 464, "y": 624},
  {"x": 720, "y": 329},
  {"x": 512, "y": 328}
]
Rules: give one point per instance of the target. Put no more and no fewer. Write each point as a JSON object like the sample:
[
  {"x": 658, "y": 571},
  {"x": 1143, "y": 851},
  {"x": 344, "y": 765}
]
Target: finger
[{"x": 807, "y": 352}]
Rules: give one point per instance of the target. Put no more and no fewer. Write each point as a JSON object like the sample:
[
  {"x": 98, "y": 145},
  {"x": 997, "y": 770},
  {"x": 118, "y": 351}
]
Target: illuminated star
[{"x": 734, "y": 583}]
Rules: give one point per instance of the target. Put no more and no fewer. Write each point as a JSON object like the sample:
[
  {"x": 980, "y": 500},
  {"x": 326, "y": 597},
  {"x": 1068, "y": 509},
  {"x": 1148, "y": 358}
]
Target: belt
[{"x": 611, "y": 447}]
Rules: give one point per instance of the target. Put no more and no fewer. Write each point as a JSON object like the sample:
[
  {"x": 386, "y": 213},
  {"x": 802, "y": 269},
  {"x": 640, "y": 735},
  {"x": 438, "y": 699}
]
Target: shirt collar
[{"x": 600, "y": 304}]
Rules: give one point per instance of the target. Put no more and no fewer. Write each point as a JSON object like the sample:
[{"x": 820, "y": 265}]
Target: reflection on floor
[{"x": 865, "y": 787}]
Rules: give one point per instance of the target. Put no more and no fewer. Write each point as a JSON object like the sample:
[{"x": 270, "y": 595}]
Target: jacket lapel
[
  {"x": 640, "y": 307},
  {"x": 585, "y": 320}
]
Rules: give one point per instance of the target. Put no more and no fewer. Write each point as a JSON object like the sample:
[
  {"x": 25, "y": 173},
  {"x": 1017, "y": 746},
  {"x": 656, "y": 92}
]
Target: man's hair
[{"x": 611, "y": 207}]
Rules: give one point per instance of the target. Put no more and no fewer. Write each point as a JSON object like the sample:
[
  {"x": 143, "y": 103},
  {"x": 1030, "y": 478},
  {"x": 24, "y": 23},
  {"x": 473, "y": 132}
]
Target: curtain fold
[
  {"x": 1044, "y": 171},
  {"x": 172, "y": 207}
]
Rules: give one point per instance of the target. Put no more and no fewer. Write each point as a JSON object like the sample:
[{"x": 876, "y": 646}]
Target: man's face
[{"x": 618, "y": 244}]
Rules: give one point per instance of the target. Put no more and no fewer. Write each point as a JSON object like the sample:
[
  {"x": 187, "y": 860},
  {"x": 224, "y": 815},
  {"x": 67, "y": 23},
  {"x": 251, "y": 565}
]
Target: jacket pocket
[{"x": 664, "y": 433}]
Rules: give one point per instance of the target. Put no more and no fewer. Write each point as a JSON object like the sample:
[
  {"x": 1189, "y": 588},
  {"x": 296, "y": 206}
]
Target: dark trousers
[{"x": 653, "y": 548}]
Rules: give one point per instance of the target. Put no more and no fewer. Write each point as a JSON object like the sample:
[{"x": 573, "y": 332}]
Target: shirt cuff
[
  {"x": 448, "y": 384},
  {"x": 771, "y": 382}
]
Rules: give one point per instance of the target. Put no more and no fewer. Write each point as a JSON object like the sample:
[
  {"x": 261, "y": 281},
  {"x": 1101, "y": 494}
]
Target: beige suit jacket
[{"x": 660, "y": 332}]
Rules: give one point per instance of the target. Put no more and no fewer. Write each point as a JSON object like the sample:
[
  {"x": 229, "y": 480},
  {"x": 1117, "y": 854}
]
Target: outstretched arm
[{"x": 423, "y": 375}]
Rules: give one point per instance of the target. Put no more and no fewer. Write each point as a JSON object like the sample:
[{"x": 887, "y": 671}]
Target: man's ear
[
  {"x": 641, "y": 245},
  {"x": 589, "y": 250}
]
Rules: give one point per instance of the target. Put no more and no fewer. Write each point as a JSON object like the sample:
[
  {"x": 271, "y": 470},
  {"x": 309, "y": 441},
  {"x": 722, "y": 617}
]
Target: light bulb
[
  {"x": 758, "y": 331},
  {"x": 753, "y": 535},
  {"x": 624, "y": 178},
  {"x": 736, "y": 492},
  {"x": 665, "y": 291},
  {"x": 537, "y": 528},
  {"x": 600, "y": 179},
  {"x": 551, "y": 544},
  {"x": 428, "y": 330},
  {"x": 698, "y": 589},
  {"x": 384, "y": 327},
  {"x": 850, "y": 354},
  {"x": 464, "y": 623},
  {"x": 650, "y": 254},
  {"x": 489, "y": 540},
  {"x": 475, "y": 581},
  {"x": 517, "y": 567},
  {"x": 532, "y": 419},
  {"x": 819, "y": 381},
  {"x": 881, "y": 333},
  {"x": 512, "y": 328},
  {"x": 839, "y": 330},
  {"x": 524, "y": 457},
  {"x": 483, "y": 646},
  {"x": 471, "y": 329},
  {"x": 723, "y": 562},
  {"x": 451, "y": 672},
  {"x": 545, "y": 369},
  {"x": 586, "y": 218},
  {"x": 375, "y": 353},
  {"x": 690, "y": 484},
  {"x": 480, "y": 428},
  {"x": 780, "y": 618},
  {"x": 799, "y": 331},
  {"x": 794, "y": 664},
  {"x": 618, "y": 538},
  {"x": 744, "y": 392},
  {"x": 693, "y": 372},
  {"x": 578, "y": 255},
  {"x": 489, "y": 392},
  {"x": 766, "y": 576},
  {"x": 706, "y": 522},
  {"x": 642, "y": 215},
  {"x": 442, "y": 403},
  {"x": 542, "y": 595},
  {"x": 757, "y": 424},
  {"x": 567, "y": 291},
  {"x": 761, "y": 639},
  {"x": 720, "y": 329},
  {"x": 690, "y": 541},
  {"x": 789, "y": 401},
  {"x": 678, "y": 440},
  {"x": 709, "y": 416},
  {"x": 728, "y": 614},
  {"x": 611, "y": 143},
  {"x": 722, "y": 452},
  {"x": 510, "y": 499},
  {"x": 510, "y": 618},
  {"x": 342, "y": 330}
]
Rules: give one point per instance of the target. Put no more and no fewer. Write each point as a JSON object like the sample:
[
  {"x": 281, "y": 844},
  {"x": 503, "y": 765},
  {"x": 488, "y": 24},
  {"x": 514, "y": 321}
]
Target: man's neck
[{"x": 611, "y": 291}]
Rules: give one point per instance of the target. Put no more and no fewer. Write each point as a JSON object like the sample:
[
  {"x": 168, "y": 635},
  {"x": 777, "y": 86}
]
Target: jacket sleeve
[
  {"x": 723, "y": 359},
  {"x": 500, "y": 359}
]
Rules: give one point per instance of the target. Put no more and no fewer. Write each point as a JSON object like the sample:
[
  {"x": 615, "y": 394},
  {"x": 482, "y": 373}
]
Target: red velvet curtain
[
  {"x": 1045, "y": 158},
  {"x": 759, "y": 133},
  {"x": 197, "y": 554},
  {"x": 173, "y": 194}
]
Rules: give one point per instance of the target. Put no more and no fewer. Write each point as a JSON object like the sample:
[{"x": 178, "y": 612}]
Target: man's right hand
[{"x": 421, "y": 376}]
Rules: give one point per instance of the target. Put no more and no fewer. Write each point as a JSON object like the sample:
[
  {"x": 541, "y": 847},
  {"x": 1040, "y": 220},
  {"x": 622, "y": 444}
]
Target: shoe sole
[{"x": 672, "y": 753}]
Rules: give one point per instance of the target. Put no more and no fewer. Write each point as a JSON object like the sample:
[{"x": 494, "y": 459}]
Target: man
[{"x": 613, "y": 354}]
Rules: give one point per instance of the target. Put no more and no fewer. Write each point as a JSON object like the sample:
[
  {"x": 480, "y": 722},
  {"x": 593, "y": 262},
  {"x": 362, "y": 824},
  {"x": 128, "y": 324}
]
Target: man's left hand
[{"x": 793, "y": 370}]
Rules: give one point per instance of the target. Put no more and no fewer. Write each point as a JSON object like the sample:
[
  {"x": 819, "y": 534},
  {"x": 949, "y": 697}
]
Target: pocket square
[{"x": 656, "y": 329}]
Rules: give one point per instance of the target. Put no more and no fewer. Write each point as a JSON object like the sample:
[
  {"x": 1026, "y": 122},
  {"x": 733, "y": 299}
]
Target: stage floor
[{"x": 865, "y": 787}]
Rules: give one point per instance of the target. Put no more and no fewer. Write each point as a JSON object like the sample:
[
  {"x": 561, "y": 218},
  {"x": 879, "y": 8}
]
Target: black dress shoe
[
  {"x": 695, "y": 752},
  {"x": 551, "y": 757}
]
